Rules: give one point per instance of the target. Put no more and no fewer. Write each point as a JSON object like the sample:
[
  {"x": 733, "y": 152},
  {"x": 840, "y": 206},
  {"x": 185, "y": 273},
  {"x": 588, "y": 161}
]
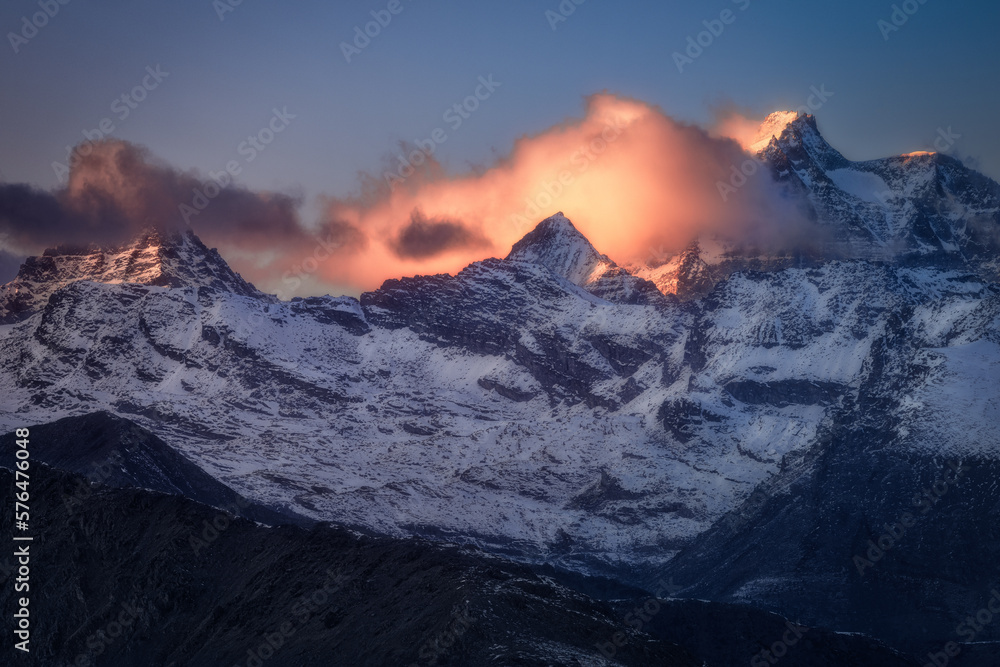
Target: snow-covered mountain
[
  {"x": 551, "y": 405},
  {"x": 919, "y": 209},
  {"x": 558, "y": 246},
  {"x": 177, "y": 259}
]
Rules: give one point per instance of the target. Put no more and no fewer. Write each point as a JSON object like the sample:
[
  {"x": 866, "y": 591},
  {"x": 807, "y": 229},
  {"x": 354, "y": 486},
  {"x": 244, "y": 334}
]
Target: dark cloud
[
  {"x": 345, "y": 236},
  {"x": 422, "y": 238},
  {"x": 117, "y": 189},
  {"x": 29, "y": 216}
]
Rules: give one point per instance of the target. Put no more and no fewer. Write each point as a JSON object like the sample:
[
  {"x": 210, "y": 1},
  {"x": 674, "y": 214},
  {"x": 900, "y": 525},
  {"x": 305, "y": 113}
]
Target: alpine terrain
[{"x": 748, "y": 426}]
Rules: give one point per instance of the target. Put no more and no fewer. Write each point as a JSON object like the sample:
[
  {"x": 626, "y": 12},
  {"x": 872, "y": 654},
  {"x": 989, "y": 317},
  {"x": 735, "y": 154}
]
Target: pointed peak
[
  {"x": 554, "y": 225},
  {"x": 173, "y": 258},
  {"x": 154, "y": 237},
  {"x": 558, "y": 245},
  {"x": 557, "y": 220},
  {"x": 552, "y": 231},
  {"x": 795, "y": 134},
  {"x": 148, "y": 237},
  {"x": 776, "y": 124}
]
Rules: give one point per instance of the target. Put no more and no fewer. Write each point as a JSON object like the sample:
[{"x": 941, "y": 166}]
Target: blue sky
[
  {"x": 226, "y": 75},
  {"x": 199, "y": 77}
]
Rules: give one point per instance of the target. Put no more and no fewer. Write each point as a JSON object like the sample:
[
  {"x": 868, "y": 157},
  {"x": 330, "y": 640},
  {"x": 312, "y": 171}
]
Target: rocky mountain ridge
[
  {"x": 557, "y": 409},
  {"x": 163, "y": 259}
]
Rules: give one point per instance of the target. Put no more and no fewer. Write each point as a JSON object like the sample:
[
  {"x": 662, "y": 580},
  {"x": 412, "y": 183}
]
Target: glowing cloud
[{"x": 631, "y": 178}]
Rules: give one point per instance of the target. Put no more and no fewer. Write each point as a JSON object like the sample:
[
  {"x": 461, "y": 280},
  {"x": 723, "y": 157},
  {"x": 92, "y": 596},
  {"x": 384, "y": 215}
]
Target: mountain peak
[
  {"x": 787, "y": 127},
  {"x": 558, "y": 245},
  {"x": 795, "y": 135},
  {"x": 772, "y": 128},
  {"x": 152, "y": 257},
  {"x": 558, "y": 221}
]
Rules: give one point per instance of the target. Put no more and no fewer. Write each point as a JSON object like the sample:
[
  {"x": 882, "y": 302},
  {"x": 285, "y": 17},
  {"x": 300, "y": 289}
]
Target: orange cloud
[
  {"x": 635, "y": 181},
  {"x": 630, "y": 177}
]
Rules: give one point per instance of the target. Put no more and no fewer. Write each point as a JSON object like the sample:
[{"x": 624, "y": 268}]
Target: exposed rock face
[
  {"x": 177, "y": 259},
  {"x": 479, "y": 406},
  {"x": 557, "y": 245},
  {"x": 558, "y": 409},
  {"x": 879, "y": 528},
  {"x": 920, "y": 209}
]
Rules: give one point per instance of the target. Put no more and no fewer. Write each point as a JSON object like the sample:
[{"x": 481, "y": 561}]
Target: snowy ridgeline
[{"x": 549, "y": 405}]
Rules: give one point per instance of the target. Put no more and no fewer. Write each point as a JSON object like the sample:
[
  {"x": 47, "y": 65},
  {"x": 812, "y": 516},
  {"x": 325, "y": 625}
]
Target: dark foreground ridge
[
  {"x": 134, "y": 577},
  {"x": 113, "y": 451}
]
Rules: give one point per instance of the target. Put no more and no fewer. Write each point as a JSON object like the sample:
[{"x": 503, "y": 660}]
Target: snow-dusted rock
[{"x": 550, "y": 405}]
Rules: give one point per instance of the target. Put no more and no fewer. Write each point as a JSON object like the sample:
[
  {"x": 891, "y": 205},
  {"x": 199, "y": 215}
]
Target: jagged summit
[
  {"x": 793, "y": 135},
  {"x": 560, "y": 247},
  {"x": 152, "y": 257},
  {"x": 772, "y": 128},
  {"x": 920, "y": 208},
  {"x": 555, "y": 243}
]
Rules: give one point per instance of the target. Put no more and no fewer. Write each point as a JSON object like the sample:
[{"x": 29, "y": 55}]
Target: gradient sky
[{"x": 939, "y": 70}]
